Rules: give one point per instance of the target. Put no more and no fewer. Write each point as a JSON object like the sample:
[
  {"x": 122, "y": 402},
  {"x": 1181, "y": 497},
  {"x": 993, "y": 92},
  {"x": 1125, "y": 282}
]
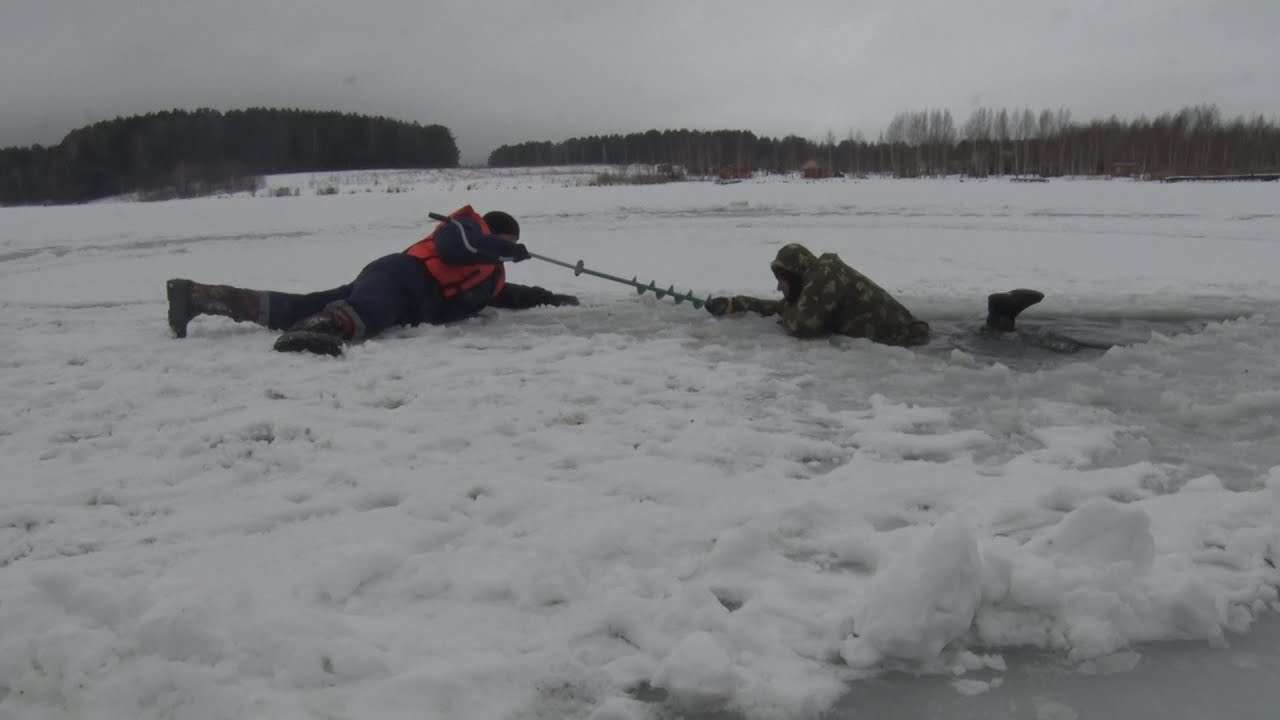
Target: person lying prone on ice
[{"x": 452, "y": 274}]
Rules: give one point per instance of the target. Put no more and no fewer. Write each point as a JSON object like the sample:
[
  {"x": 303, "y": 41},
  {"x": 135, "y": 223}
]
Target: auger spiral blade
[{"x": 578, "y": 269}]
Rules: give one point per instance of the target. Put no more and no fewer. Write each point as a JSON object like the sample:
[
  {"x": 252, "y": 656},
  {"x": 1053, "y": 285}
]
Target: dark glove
[
  {"x": 718, "y": 306},
  {"x": 519, "y": 252},
  {"x": 559, "y": 300}
]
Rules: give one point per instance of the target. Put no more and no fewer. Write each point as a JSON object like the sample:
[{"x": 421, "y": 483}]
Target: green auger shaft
[{"x": 578, "y": 269}]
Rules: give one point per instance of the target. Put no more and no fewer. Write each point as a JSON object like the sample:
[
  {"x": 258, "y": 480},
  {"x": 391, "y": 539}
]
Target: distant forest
[
  {"x": 185, "y": 153},
  {"x": 179, "y": 153},
  {"x": 1194, "y": 141}
]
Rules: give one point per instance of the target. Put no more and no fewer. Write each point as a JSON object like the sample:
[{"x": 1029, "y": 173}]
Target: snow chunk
[
  {"x": 1102, "y": 532},
  {"x": 182, "y": 638},
  {"x": 970, "y": 687},
  {"x": 620, "y": 708},
  {"x": 924, "y": 599},
  {"x": 1074, "y": 446},
  {"x": 354, "y": 568},
  {"x": 698, "y": 674},
  {"x": 1047, "y": 709}
]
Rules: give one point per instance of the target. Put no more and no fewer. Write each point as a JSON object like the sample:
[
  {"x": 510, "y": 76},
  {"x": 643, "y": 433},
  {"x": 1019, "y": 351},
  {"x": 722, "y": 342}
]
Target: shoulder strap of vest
[{"x": 466, "y": 211}]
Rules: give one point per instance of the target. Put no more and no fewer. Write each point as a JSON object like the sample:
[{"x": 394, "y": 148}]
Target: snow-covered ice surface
[{"x": 631, "y": 509}]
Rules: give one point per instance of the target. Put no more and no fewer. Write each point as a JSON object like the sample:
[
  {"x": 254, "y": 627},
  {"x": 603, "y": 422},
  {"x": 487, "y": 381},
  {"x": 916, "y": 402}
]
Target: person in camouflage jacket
[{"x": 824, "y": 296}]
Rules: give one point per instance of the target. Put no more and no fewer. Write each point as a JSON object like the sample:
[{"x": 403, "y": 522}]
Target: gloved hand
[
  {"x": 519, "y": 252},
  {"x": 719, "y": 306},
  {"x": 558, "y": 300}
]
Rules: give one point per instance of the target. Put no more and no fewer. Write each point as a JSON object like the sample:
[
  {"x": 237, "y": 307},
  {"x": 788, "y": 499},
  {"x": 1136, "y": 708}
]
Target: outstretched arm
[
  {"x": 519, "y": 297},
  {"x": 476, "y": 248},
  {"x": 808, "y": 317},
  {"x": 743, "y": 303}
]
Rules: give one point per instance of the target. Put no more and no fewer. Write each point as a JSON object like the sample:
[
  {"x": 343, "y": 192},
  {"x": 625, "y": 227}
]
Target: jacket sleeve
[
  {"x": 743, "y": 303},
  {"x": 488, "y": 249},
  {"x": 519, "y": 297}
]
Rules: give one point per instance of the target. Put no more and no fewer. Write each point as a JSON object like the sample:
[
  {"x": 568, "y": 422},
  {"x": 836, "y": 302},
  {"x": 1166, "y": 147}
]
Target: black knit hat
[{"x": 501, "y": 223}]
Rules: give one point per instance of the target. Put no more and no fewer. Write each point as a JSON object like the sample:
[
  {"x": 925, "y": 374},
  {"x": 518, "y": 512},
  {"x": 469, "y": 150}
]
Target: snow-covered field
[{"x": 629, "y": 509}]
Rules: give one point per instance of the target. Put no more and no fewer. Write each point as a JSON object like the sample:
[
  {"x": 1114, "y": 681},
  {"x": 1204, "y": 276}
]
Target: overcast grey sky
[{"x": 507, "y": 71}]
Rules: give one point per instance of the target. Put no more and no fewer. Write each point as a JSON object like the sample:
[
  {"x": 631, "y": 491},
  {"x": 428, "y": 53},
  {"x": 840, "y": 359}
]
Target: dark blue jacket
[{"x": 484, "y": 250}]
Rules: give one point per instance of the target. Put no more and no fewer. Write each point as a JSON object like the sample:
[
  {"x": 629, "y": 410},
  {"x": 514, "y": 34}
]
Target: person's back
[{"x": 857, "y": 306}]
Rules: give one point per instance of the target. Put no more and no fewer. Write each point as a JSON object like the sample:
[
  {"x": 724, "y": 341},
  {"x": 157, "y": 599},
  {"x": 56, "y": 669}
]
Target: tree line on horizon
[
  {"x": 180, "y": 153},
  {"x": 1196, "y": 140}
]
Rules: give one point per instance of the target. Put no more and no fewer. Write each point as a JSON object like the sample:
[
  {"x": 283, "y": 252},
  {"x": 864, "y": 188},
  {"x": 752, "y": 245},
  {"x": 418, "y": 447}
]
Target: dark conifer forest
[{"x": 180, "y": 153}]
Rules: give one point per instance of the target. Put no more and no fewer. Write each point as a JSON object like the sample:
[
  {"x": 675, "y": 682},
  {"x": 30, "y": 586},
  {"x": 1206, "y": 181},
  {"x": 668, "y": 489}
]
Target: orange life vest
[{"x": 454, "y": 279}]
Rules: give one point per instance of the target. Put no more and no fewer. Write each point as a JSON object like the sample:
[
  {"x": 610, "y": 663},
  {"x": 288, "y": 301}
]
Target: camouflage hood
[{"x": 794, "y": 259}]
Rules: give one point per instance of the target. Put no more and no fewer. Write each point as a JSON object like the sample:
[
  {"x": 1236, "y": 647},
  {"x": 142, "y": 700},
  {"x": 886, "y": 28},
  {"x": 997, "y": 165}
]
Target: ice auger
[{"x": 641, "y": 288}]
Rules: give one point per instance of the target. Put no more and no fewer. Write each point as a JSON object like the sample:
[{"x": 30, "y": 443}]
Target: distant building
[
  {"x": 731, "y": 171},
  {"x": 815, "y": 170},
  {"x": 1124, "y": 169}
]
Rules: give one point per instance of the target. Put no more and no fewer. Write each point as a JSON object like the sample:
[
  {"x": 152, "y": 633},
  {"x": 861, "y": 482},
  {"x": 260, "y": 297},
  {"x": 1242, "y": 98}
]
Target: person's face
[{"x": 789, "y": 285}]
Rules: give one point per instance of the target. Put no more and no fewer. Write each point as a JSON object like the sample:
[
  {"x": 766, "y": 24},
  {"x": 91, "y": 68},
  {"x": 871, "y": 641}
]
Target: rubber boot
[
  {"x": 188, "y": 299},
  {"x": 323, "y": 333},
  {"x": 1003, "y": 308}
]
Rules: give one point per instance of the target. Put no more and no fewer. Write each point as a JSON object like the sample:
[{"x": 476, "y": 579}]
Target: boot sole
[
  {"x": 179, "y": 294},
  {"x": 307, "y": 341}
]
